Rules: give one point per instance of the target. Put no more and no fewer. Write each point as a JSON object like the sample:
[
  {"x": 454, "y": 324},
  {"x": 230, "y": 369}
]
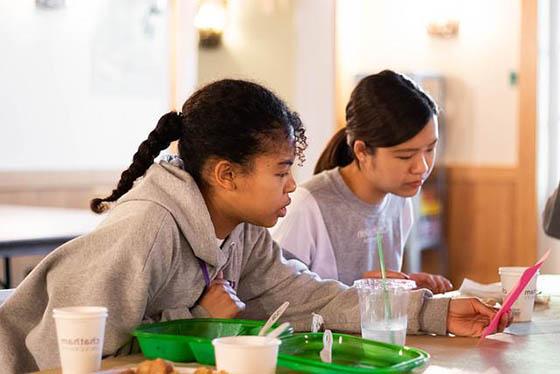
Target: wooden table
[
  {"x": 117, "y": 362},
  {"x": 29, "y": 230},
  {"x": 499, "y": 353}
]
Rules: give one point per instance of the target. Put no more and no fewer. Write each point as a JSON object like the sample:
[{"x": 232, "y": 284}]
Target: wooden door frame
[{"x": 526, "y": 196}]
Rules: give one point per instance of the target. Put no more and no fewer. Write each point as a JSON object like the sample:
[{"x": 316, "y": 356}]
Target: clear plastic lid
[{"x": 377, "y": 283}]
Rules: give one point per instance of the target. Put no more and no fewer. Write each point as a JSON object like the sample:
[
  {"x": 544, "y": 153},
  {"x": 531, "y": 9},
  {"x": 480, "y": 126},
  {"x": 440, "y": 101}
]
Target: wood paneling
[
  {"x": 526, "y": 199},
  {"x": 481, "y": 222},
  {"x": 67, "y": 189}
]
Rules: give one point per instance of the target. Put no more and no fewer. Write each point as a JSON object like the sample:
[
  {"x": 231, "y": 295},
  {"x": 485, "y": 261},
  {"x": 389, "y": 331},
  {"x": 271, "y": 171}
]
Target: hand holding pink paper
[{"x": 511, "y": 297}]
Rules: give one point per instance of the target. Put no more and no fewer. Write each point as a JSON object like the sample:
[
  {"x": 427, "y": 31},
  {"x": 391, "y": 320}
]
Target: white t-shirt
[{"x": 335, "y": 233}]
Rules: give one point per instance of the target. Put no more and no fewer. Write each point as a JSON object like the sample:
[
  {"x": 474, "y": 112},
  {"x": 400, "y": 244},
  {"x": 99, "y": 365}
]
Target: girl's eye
[
  {"x": 282, "y": 175},
  {"x": 404, "y": 157},
  {"x": 431, "y": 150}
]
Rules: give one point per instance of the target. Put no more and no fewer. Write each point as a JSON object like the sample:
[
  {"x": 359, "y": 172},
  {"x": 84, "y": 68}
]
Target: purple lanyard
[
  {"x": 204, "y": 269},
  {"x": 206, "y": 275}
]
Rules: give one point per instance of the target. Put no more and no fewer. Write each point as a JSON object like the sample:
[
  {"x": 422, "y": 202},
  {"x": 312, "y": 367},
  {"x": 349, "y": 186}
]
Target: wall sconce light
[
  {"x": 442, "y": 17},
  {"x": 210, "y": 21},
  {"x": 50, "y": 4},
  {"x": 443, "y": 29}
]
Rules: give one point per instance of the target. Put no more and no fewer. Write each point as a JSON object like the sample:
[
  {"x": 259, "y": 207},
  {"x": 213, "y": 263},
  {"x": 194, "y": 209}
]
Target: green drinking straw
[
  {"x": 381, "y": 261},
  {"x": 388, "y": 313}
]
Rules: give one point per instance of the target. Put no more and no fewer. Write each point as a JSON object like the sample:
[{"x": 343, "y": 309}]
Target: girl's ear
[
  {"x": 360, "y": 150},
  {"x": 224, "y": 175}
]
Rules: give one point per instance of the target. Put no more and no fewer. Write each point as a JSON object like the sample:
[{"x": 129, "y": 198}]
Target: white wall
[
  {"x": 548, "y": 128},
  {"x": 289, "y": 49},
  {"x": 288, "y": 46},
  {"x": 315, "y": 77},
  {"x": 258, "y": 44},
  {"x": 81, "y": 86},
  {"x": 481, "y": 106},
  {"x": 186, "y": 46}
]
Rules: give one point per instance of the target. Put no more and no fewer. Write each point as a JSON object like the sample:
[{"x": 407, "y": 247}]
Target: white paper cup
[
  {"x": 80, "y": 331},
  {"x": 246, "y": 354},
  {"x": 522, "y": 309}
]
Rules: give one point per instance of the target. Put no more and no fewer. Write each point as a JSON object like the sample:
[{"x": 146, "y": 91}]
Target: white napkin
[
  {"x": 484, "y": 291},
  {"x": 492, "y": 292}
]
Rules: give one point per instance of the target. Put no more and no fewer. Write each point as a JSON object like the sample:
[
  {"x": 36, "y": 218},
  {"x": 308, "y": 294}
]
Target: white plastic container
[
  {"x": 80, "y": 331},
  {"x": 246, "y": 354},
  {"x": 523, "y": 307}
]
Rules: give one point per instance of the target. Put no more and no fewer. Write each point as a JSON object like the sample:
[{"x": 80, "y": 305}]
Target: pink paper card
[{"x": 513, "y": 295}]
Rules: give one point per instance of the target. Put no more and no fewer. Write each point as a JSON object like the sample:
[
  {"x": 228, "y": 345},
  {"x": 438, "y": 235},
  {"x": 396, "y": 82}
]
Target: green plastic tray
[
  {"x": 188, "y": 340},
  {"x": 350, "y": 354}
]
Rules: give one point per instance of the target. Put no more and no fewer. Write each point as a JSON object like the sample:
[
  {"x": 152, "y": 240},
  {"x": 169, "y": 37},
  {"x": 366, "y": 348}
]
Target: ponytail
[
  {"x": 167, "y": 130},
  {"x": 337, "y": 153},
  {"x": 385, "y": 109}
]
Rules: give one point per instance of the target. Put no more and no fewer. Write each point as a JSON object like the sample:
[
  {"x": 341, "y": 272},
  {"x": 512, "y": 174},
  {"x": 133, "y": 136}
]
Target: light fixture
[
  {"x": 210, "y": 22},
  {"x": 443, "y": 18},
  {"x": 443, "y": 29},
  {"x": 50, "y": 4}
]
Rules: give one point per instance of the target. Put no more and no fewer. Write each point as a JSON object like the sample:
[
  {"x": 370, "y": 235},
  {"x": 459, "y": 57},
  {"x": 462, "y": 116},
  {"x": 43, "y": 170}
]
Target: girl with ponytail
[
  {"x": 188, "y": 238},
  {"x": 364, "y": 182}
]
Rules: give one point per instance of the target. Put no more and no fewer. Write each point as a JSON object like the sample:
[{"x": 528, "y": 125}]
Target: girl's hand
[
  {"x": 433, "y": 282},
  {"x": 220, "y": 300},
  {"x": 390, "y": 274},
  {"x": 468, "y": 316}
]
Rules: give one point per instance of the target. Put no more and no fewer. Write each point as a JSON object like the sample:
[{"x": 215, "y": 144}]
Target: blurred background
[{"x": 84, "y": 81}]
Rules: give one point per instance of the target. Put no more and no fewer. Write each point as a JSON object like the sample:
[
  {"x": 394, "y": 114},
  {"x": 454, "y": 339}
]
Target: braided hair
[{"x": 229, "y": 119}]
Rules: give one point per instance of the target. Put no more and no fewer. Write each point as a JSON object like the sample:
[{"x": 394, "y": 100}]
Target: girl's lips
[
  {"x": 415, "y": 184},
  {"x": 284, "y": 209}
]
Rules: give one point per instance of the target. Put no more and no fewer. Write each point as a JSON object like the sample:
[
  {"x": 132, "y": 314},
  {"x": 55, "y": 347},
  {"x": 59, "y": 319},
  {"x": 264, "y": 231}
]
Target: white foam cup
[
  {"x": 522, "y": 309},
  {"x": 246, "y": 354},
  {"x": 80, "y": 331}
]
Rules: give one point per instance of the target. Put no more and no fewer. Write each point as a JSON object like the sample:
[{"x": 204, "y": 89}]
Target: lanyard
[
  {"x": 206, "y": 275},
  {"x": 204, "y": 269}
]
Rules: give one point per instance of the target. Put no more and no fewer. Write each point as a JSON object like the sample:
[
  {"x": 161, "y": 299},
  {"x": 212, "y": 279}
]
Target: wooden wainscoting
[
  {"x": 481, "y": 222},
  {"x": 65, "y": 189}
]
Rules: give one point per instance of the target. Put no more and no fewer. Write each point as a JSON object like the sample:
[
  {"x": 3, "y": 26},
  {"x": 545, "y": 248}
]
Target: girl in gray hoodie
[{"x": 188, "y": 239}]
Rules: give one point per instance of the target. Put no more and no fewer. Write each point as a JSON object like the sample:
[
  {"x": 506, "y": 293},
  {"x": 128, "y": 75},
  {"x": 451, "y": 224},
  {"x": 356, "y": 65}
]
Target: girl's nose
[
  {"x": 290, "y": 184},
  {"x": 421, "y": 165}
]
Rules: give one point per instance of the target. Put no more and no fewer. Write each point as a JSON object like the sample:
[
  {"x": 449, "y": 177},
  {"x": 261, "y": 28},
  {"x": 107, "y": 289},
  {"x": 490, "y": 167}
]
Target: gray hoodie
[{"x": 142, "y": 263}]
